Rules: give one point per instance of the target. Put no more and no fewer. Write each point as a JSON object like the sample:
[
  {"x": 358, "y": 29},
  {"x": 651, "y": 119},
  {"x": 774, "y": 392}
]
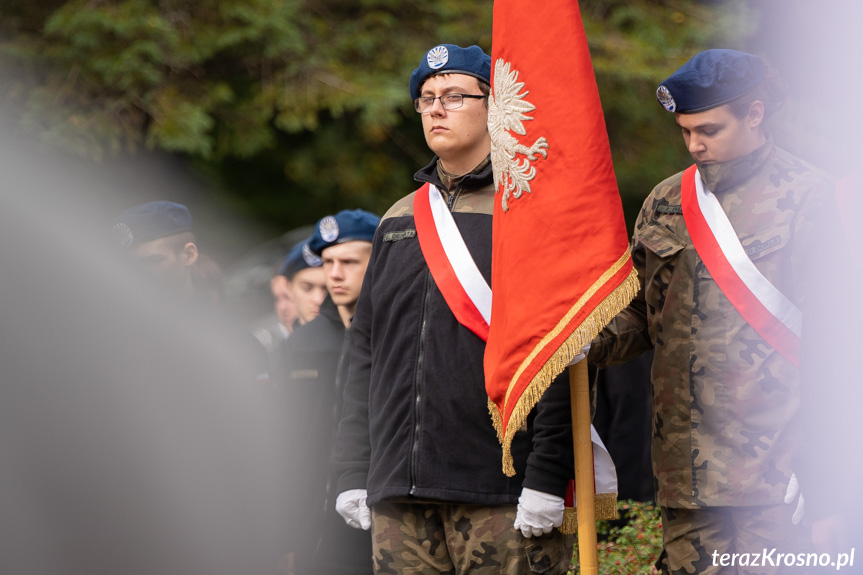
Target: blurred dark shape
[
  {"x": 830, "y": 462},
  {"x": 132, "y": 435},
  {"x": 208, "y": 280},
  {"x": 623, "y": 420},
  {"x": 818, "y": 46},
  {"x": 247, "y": 285},
  {"x": 317, "y": 360}
]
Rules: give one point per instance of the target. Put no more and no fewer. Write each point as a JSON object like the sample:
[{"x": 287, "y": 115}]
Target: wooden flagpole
[{"x": 584, "y": 478}]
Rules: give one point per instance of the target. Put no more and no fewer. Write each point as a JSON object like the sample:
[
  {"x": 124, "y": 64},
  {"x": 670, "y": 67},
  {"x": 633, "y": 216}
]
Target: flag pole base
[{"x": 584, "y": 473}]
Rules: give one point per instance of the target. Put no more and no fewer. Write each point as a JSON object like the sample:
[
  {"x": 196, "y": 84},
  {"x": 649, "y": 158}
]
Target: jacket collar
[
  {"x": 720, "y": 177},
  {"x": 481, "y": 177},
  {"x": 329, "y": 310}
]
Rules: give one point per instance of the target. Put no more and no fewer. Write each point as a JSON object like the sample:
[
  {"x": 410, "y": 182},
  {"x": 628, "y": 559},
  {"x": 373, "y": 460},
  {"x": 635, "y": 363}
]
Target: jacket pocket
[
  {"x": 660, "y": 240},
  {"x": 544, "y": 553},
  {"x": 657, "y": 256}
]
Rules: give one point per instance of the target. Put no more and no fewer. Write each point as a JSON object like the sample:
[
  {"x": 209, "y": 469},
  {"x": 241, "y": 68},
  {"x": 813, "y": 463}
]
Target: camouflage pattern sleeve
[{"x": 626, "y": 336}]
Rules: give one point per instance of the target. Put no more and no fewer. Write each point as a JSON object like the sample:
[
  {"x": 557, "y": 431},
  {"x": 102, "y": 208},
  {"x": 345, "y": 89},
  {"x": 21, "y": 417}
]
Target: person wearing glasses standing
[{"x": 416, "y": 458}]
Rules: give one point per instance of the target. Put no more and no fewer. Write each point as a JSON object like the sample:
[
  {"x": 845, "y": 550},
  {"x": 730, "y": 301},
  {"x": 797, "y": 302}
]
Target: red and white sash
[
  {"x": 469, "y": 297},
  {"x": 773, "y": 316},
  {"x": 466, "y": 292}
]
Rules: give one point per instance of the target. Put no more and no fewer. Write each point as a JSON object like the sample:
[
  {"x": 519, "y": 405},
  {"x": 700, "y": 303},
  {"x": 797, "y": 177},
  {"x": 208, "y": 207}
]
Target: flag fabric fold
[
  {"x": 604, "y": 487},
  {"x": 561, "y": 268}
]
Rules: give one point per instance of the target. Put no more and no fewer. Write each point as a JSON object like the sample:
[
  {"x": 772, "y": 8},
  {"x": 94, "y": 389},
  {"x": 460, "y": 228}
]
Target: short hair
[
  {"x": 485, "y": 88},
  {"x": 178, "y": 241},
  {"x": 770, "y": 91}
]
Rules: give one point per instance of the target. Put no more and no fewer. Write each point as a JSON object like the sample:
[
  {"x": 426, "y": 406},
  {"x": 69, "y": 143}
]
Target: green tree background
[{"x": 280, "y": 111}]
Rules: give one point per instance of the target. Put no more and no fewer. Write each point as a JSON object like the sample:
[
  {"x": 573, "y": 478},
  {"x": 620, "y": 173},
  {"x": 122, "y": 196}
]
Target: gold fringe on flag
[
  {"x": 613, "y": 304},
  {"x": 605, "y": 505}
]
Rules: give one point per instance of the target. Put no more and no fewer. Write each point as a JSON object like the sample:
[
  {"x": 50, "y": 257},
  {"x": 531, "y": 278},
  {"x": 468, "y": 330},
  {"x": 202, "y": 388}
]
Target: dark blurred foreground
[{"x": 134, "y": 437}]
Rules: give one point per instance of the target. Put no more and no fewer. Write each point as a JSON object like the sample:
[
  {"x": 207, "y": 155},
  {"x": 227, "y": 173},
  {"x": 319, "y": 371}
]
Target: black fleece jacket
[
  {"x": 416, "y": 423},
  {"x": 317, "y": 354}
]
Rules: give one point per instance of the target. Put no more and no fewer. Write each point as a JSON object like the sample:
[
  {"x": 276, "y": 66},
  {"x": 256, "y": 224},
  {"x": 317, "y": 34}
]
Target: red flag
[{"x": 560, "y": 262}]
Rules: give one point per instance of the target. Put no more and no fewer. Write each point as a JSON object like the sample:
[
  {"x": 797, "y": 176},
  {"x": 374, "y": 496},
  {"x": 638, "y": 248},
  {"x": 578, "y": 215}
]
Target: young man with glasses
[{"x": 417, "y": 459}]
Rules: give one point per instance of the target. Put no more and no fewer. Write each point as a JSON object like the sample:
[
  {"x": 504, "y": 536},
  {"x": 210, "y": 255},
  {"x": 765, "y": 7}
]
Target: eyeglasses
[{"x": 452, "y": 101}]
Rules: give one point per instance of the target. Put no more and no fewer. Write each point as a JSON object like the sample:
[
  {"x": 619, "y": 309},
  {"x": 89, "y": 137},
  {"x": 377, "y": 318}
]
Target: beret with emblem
[
  {"x": 451, "y": 59},
  {"x": 298, "y": 259},
  {"x": 710, "y": 79},
  {"x": 345, "y": 226},
  {"x": 140, "y": 224}
]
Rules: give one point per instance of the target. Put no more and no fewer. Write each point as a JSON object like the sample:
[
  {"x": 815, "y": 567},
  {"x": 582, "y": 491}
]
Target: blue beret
[
  {"x": 298, "y": 259},
  {"x": 710, "y": 79},
  {"x": 345, "y": 226},
  {"x": 451, "y": 59},
  {"x": 149, "y": 221}
]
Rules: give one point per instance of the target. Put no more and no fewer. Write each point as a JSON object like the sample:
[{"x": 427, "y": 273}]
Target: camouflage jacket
[{"x": 725, "y": 404}]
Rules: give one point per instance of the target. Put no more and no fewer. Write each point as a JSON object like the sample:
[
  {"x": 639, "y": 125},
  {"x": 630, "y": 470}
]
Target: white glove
[
  {"x": 538, "y": 512},
  {"x": 790, "y": 493},
  {"x": 351, "y": 505},
  {"x": 582, "y": 355}
]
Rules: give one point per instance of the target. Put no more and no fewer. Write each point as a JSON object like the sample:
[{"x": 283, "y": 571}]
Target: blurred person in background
[
  {"x": 286, "y": 311},
  {"x": 129, "y": 442},
  {"x": 158, "y": 235},
  {"x": 317, "y": 359},
  {"x": 821, "y": 44},
  {"x": 306, "y": 283},
  {"x": 298, "y": 288},
  {"x": 830, "y": 459}
]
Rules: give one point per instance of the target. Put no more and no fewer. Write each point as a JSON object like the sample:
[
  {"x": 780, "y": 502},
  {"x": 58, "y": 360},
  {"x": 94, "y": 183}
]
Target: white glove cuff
[{"x": 584, "y": 351}]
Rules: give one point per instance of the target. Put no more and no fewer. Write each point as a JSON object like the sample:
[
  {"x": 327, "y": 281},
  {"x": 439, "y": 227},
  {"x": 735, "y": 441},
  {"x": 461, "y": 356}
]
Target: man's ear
[
  {"x": 190, "y": 254},
  {"x": 756, "y": 114}
]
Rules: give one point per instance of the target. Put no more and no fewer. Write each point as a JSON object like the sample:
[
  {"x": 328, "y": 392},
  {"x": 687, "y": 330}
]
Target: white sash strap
[
  {"x": 458, "y": 255},
  {"x": 604, "y": 472},
  {"x": 769, "y": 296}
]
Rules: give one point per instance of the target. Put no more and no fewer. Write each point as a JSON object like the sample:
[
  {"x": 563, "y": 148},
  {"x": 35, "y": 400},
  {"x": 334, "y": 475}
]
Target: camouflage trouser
[
  {"x": 410, "y": 538},
  {"x": 730, "y": 540}
]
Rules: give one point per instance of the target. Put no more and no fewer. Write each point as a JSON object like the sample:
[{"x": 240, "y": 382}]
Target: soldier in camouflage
[{"x": 725, "y": 403}]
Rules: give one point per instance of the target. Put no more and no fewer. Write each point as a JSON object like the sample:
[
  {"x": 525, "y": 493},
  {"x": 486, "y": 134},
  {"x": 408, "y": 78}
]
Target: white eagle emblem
[
  {"x": 437, "y": 57},
  {"x": 311, "y": 259},
  {"x": 329, "y": 228},
  {"x": 666, "y": 99},
  {"x": 507, "y": 112},
  {"x": 123, "y": 234}
]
